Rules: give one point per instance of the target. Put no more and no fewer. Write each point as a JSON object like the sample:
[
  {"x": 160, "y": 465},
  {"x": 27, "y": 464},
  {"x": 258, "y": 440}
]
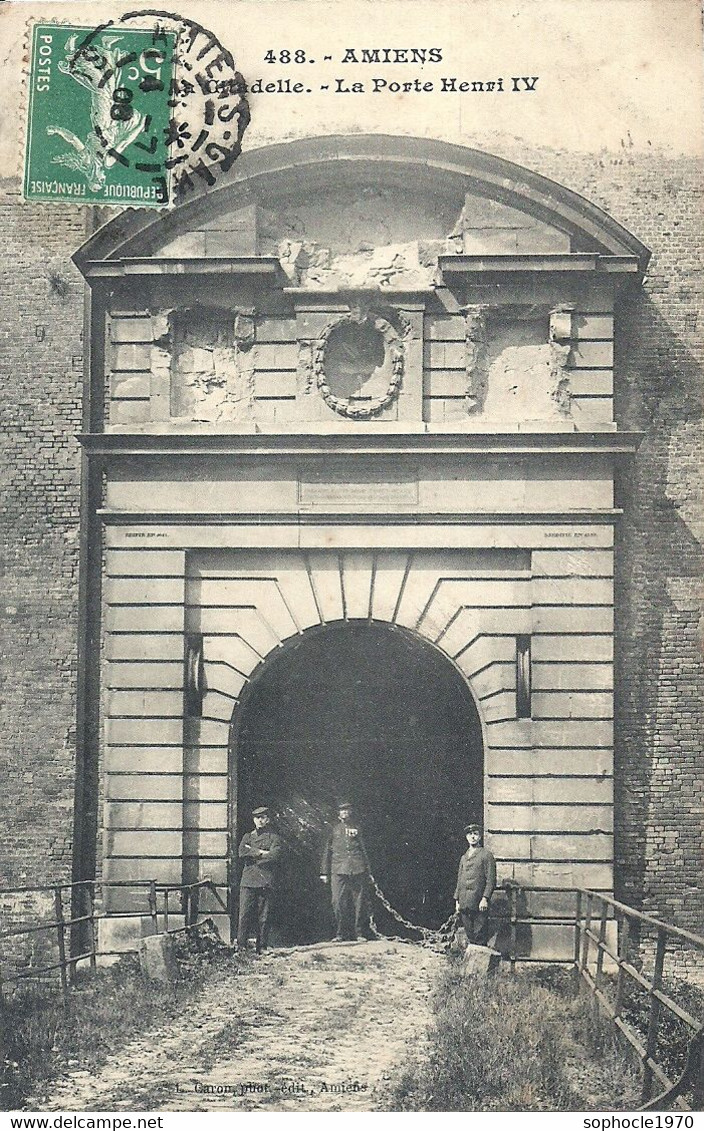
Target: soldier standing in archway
[
  {"x": 476, "y": 880},
  {"x": 261, "y": 851},
  {"x": 346, "y": 867}
]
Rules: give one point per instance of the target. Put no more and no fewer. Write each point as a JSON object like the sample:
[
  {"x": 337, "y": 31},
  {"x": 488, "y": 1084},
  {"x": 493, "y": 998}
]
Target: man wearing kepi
[
  {"x": 261, "y": 851},
  {"x": 346, "y": 867},
  {"x": 476, "y": 880}
]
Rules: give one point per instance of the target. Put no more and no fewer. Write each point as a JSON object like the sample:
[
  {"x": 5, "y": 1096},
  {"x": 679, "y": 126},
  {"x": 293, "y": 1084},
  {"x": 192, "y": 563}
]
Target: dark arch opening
[{"x": 373, "y": 713}]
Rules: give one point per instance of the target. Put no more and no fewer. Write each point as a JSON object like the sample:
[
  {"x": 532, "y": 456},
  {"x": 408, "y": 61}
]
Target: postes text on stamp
[
  {"x": 133, "y": 112},
  {"x": 98, "y": 115}
]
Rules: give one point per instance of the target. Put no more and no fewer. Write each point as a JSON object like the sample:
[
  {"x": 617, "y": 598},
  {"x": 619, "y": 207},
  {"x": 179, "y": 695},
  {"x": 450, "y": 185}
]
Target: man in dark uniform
[
  {"x": 476, "y": 880},
  {"x": 261, "y": 851},
  {"x": 345, "y": 867}
]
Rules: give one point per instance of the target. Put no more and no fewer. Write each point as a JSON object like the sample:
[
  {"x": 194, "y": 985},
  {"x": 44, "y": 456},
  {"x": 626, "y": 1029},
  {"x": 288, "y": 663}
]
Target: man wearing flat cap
[
  {"x": 476, "y": 880},
  {"x": 345, "y": 867},
  {"x": 261, "y": 851}
]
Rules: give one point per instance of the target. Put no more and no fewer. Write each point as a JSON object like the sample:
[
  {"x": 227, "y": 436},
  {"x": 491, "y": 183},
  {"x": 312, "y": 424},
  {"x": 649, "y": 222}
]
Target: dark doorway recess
[{"x": 374, "y": 714}]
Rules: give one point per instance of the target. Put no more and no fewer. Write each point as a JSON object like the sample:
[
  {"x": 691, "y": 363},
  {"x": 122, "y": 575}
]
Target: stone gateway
[{"x": 357, "y": 446}]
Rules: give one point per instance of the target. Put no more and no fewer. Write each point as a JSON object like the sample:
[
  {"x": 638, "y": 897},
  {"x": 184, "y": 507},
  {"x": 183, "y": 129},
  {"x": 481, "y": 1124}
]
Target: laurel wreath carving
[{"x": 394, "y": 347}]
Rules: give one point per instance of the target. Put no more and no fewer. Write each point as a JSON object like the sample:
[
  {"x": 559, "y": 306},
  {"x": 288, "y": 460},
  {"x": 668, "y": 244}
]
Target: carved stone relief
[
  {"x": 523, "y": 375},
  {"x": 212, "y": 369},
  {"x": 476, "y": 357},
  {"x": 358, "y": 362}
]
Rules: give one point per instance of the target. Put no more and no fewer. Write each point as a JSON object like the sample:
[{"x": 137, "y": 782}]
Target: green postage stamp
[
  {"x": 99, "y": 115},
  {"x": 130, "y": 115}
]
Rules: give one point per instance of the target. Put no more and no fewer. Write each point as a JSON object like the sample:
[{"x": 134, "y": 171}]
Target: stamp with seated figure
[{"x": 129, "y": 115}]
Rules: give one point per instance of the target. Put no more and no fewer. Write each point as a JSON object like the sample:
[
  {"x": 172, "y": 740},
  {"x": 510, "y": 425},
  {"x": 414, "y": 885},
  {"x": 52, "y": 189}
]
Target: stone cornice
[
  {"x": 267, "y": 267},
  {"x": 340, "y": 444},
  {"x": 579, "y": 262},
  {"x": 371, "y": 517},
  {"x": 268, "y": 270}
]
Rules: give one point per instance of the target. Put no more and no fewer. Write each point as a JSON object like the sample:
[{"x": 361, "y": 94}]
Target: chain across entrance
[{"x": 440, "y": 937}]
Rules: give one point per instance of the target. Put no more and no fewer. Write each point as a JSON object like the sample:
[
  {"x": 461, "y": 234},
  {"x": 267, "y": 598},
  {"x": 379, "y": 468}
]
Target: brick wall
[
  {"x": 42, "y": 371},
  {"x": 660, "y": 670}
]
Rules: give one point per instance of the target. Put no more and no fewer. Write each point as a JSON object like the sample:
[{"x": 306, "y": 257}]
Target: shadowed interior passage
[{"x": 374, "y": 714}]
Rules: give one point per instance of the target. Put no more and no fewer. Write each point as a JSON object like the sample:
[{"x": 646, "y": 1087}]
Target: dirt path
[{"x": 296, "y": 1032}]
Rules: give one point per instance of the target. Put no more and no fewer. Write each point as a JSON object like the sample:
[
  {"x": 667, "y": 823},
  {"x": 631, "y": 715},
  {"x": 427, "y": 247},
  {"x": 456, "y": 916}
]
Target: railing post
[
  {"x": 231, "y": 911},
  {"x": 166, "y": 909},
  {"x": 3, "y": 1050},
  {"x": 152, "y": 906},
  {"x": 60, "y": 929},
  {"x": 194, "y": 905},
  {"x": 623, "y": 946},
  {"x": 654, "y": 1019},
  {"x": 512, "y": 911},
  {"x": 577, "y": 936},
  {"x": 599, "y": 972},
  {"x": 587, "y": 927},
  {"x": 90, "y": 911},
  {"x": 698, "y": 1096},
  {"x": 602, "y": 941}
]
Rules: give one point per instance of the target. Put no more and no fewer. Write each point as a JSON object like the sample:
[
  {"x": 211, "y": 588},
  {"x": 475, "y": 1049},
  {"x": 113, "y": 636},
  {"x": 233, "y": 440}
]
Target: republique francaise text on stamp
[{"x": 130, "y": 115}]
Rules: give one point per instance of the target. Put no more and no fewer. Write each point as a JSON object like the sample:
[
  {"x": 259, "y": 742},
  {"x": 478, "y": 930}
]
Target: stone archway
[
  {"x": 236, "y": 527},
  {"x": 248, "y": 608},
  {"x": 377, "y": 714}
]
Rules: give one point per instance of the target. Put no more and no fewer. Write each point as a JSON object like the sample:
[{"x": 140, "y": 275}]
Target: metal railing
[
  {"x": 595, "y": 918},
  {"x": 590, "y": 922},
  {"x": 83, "y": 892},
  {"x": 594, "y": 908},
  {"x": 515, "y": 919}
]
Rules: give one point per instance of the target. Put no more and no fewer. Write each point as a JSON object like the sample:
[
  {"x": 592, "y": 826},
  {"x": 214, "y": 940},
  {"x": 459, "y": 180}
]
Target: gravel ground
[{"x": 311, "y": 1029}]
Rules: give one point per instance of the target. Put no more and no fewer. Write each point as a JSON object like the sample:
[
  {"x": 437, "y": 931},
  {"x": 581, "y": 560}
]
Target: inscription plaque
[{"x": 358, "y": 489}]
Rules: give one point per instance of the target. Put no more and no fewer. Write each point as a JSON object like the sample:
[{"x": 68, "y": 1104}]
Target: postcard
[{"x": 351, "y": 361}]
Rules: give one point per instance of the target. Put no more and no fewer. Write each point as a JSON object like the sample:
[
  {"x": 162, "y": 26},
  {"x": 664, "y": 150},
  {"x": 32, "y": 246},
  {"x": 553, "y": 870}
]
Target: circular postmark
[{"x": 172, "y": 105}]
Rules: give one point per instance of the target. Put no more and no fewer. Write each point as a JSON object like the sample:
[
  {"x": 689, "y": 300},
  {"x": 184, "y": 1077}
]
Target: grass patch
[
  {"x": 44, "y": 1039},
  {"x": 521, "y": 1043},
  {"x": 673, "y": 1035}
]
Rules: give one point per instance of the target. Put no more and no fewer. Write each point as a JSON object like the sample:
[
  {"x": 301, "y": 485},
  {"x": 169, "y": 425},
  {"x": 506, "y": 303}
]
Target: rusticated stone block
[
  {"x": 480, "y": 961},
  {"x": 157, "y": 960}
]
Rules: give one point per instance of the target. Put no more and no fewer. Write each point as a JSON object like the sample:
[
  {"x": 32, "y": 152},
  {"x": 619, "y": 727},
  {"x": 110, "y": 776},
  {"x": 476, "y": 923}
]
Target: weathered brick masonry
[
  {"x": 659, "y": 768},
  {"x": 42, "y": 367},
  {"x": 659, "y": 739}
]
